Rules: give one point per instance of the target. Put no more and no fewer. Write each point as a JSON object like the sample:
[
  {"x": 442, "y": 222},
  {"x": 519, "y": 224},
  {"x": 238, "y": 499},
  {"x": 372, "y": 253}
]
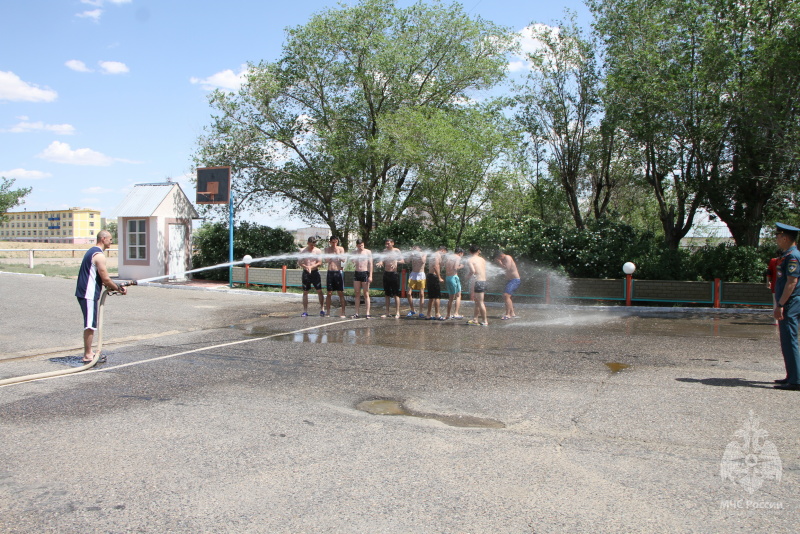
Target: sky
[{"x": 99, "y": 95}]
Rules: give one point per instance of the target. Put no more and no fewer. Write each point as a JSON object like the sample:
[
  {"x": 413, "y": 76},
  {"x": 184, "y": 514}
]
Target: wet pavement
[{"x": 225, "y": 411}]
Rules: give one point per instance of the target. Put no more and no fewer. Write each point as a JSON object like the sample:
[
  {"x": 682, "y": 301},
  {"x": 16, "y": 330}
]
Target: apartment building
[{"x": 73, "y": 225}]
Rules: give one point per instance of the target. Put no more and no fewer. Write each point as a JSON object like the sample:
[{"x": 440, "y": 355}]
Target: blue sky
[{"x": 98, "y": 95}]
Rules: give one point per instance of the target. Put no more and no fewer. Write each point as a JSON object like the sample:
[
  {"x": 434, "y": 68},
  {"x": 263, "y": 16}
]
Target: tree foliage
[
  {"x": 561, "y": 103},
  {"x": 10, "y": 198},
  {"x": 309, "y": 128},
  {"x": 710, "y": 92}
]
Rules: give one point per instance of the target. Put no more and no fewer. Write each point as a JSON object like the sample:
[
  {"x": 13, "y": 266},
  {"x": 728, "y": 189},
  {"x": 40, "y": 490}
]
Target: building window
[{"x": 137, "y": 240}]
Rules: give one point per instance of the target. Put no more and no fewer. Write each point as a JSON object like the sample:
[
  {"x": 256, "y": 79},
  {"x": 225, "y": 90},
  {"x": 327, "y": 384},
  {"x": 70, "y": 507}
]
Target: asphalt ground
[{"x": 564, "y": 420}]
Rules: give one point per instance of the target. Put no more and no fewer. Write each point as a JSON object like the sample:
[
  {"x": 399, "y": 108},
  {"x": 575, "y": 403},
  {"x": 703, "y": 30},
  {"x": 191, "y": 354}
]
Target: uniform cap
[{"x": 786, "y": 227}]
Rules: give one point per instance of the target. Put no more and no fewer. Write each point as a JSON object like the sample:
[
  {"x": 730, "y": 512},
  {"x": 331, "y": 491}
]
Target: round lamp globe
[
  {"x": 247, "y": 259},
  {"x": 628, "y": 267}
]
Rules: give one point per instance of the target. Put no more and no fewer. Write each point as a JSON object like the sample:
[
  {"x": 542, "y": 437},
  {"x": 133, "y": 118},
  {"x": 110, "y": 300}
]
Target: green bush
[
  {"x": 600, "y": 250},
  {"x": 211, "y": 244}
]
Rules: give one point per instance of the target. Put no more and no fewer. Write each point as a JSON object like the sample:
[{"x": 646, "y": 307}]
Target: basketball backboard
[{"x": 213, "y": 185}]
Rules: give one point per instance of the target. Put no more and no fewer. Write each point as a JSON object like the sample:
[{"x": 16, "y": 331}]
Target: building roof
[{"x": 144, "y": 199}]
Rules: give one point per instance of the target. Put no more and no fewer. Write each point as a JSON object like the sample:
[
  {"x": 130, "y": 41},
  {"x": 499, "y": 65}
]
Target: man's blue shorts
[
  {"x": 89, "y": 309},
  {"x": 512, "y": 285}
]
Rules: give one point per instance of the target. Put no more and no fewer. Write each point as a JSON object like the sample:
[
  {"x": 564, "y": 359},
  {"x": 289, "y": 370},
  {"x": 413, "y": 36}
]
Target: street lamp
[
  {"x": 248, "y": 259},
  {"x": 628, "y": 268}
]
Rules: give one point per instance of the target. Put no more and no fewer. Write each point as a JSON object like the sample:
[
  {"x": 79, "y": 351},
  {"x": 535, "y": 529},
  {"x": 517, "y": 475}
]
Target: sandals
[{"x": 102, "y": 359}]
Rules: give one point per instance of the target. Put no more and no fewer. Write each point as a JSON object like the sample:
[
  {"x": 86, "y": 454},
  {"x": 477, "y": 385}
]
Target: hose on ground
[{"x": 89, "y": 365}]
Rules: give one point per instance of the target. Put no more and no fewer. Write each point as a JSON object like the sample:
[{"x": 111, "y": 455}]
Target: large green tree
[
  {"x": 560, "y": 106},
  {"x": 309, "y": 127},
  {"x": 9, "y": 198},
  {"x": 459, "y": 159},
  {"x": 710, "y": 92}
]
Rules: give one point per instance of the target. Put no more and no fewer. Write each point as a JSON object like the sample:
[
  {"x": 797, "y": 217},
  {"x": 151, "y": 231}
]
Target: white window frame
[{"x": 136, "y": 240}]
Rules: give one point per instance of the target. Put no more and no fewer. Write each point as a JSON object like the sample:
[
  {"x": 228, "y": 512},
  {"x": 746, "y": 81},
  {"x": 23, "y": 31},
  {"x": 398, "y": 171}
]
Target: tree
[
  {"x": 112, "y": 227},
  {"x": 457, "y": 160},
  {"x": 754, "y": 49},
  {"x": 655, "y": 93},
  {"x": 308, "y": 127},
  {"x": 9, "y": 198},
  {"x": 561, "y": 103},
  {"x": 709, "y": 90}
]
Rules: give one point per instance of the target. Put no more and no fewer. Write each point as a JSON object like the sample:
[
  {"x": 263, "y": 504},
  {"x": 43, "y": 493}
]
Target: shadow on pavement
[{"x": 728, "y": 382}]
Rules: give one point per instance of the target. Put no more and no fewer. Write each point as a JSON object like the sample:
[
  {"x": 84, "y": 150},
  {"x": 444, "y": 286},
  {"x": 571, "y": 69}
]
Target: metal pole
[
  {"x": 230, "y": 241},
  {"x": 628, "y": 288}
]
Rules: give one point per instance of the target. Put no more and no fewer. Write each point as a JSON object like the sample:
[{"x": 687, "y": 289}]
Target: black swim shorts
[
  {"x": 335, "y": 281},
  {"x": 391, "y": 284},
  {"x": 311, "y": 279},
  {"x": 433, "y": 286}
]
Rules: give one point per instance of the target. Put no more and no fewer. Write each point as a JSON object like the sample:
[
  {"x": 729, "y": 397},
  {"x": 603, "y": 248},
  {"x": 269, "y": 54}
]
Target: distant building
[
  {"x": 74, "y": 225},
  {"x": 301, "y": 235}
]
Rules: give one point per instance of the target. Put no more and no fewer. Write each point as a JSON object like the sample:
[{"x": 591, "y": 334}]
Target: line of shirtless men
[{"x": 425, "y": 275}]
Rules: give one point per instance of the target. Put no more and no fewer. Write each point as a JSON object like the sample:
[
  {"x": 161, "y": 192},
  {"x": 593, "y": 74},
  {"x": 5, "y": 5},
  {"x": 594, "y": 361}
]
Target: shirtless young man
[
  {"x": 477, "y": 273},
  {"x": 334, "y": 255},
  {"x": 391, "y": 278},
  {"x": 451, "y": 267},
  {"x": 310, "y": 277},
  {"x": 362, "y": 261},
  {"x": 416, "y": 280},
  {"x": 433, "y": 283},
  {"x": 512, "y": 281}
]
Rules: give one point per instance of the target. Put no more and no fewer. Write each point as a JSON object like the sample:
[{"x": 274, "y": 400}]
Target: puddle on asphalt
[
  {"x": 71, "y": 361},
  {"x": 616, "y": 367},
  {"x": 395, "y": 407}
]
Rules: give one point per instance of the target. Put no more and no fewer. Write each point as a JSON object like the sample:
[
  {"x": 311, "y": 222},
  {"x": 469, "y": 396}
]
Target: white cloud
[
  {"x": 77, "y": 65},
  {"x": 59, "y": 152},
  {"x": 113, "y": 67},
  {"x": 517, "y": 66},
  {"x": 24, "y": 174},
  {"x": 14, "y": 89},
  {"x": 38, "y": 126},
  {"x": 530, "y": 43},
  {"x": 226, "y": 79},
  {"x": 93, "y": 14}
]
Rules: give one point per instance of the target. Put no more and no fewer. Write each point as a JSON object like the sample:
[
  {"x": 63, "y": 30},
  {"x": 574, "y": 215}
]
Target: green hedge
[
  {"x": 600, "y": 250},
  {"x": 211, "y": 244}
]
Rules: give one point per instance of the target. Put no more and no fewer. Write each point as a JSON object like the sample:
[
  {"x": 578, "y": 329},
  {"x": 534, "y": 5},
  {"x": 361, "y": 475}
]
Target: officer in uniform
[{"x": 787, "y": 303}]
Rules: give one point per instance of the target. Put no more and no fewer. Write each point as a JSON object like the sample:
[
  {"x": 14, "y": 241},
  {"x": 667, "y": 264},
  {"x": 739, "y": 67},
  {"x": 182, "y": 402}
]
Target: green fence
[{"x": 552, "y": 289}]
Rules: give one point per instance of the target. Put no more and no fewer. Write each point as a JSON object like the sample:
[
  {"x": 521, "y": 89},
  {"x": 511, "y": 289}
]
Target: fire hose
[{"x": 88, "y": 365}]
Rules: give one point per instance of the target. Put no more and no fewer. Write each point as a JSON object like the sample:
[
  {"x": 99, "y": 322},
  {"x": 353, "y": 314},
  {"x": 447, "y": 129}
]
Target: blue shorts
[
  {"x": 89, "y": 309},
  {"x": 453, "y": 285},
  {"x": 512, "y": 285}
]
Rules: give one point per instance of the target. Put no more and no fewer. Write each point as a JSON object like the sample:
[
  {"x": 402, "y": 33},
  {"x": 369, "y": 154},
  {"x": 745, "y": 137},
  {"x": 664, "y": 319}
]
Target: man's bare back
[
  {"x": 509, "y": 266},
  {"x": 477, "y": 268}
]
